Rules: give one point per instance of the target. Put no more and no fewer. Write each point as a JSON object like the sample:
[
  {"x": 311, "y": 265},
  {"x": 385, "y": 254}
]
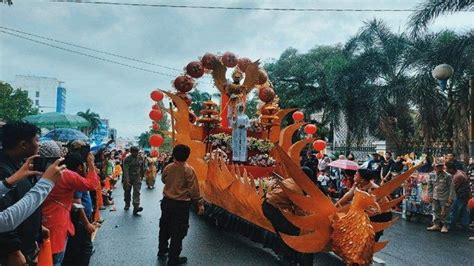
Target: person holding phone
[
  {"x": 20, "y": 141},
  {"x": 14, "y": 215},
  {"x": 57, "y": 206}
]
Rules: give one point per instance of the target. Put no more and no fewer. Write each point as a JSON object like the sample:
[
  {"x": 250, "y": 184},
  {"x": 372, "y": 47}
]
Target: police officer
[
  {"x": 133, "y": 170},
  {"x": 441, "y": 194}
]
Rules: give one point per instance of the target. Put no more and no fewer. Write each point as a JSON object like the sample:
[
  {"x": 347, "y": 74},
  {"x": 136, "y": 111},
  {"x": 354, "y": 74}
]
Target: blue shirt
[{"x": 85, "y": 200}]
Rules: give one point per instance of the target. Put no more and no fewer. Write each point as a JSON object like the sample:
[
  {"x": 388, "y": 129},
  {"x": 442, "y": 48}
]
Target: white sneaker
[
  {"x": 471, "y": 238},
  {"x": 444, "y": 229},
  {"x": 433, "y": 228}
]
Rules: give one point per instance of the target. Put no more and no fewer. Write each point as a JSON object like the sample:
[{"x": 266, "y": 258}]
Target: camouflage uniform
[
  {"x": 440, "y": 189},
  {"x": 133, "y": 170}
]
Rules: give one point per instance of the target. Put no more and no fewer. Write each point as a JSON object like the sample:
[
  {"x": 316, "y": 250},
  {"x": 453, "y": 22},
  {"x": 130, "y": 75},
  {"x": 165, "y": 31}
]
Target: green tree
[
  {"x": 14, "y": 103},
  {"x": 443, "y": 115},
  {"x": 428, "y": 10},
  {"x": 93, "y": 118},
  {"x": 198, "y": 97},
  {"x": 251, "y": 106}
]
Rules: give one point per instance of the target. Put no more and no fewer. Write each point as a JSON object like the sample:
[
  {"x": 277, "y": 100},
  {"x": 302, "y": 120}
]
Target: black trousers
[
  {"x": 379, "y": 218},
  {"x": 282, "y": 225},
  {"x": 79, "y": 247},
  {"x": 174, "y": 224}
]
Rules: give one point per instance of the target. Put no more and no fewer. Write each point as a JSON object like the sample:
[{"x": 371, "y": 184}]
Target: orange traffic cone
[{"x": 45, "y": 256}]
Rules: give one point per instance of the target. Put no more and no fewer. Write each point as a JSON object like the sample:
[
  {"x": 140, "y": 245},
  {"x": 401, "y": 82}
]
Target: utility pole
[{"x": 471, "y": 118}]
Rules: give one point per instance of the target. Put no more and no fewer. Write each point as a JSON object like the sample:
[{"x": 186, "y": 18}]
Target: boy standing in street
[{"x": 180, "y": 191}]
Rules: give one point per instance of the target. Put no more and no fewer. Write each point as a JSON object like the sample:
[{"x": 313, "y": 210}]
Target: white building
[{"x": 47, "y": 94}]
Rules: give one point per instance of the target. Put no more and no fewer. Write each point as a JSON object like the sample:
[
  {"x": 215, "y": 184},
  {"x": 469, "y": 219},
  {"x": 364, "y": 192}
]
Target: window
[
  {"x": 37, "y": 102},
  {"x": 37, "y": 94}
]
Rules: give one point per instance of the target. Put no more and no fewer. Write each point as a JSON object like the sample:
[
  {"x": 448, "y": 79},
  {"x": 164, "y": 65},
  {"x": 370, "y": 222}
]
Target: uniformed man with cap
[{"x": 133, "y": 170}]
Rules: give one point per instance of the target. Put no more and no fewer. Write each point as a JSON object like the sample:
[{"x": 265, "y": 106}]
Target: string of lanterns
[
  {"x": 156, "y": 114},
  {"x": 310, "y": 130}
]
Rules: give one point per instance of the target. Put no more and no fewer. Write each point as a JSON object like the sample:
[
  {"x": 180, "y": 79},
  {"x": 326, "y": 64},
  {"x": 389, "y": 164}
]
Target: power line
[
  {"x": 236, "y": 8},
  {"x": 87, "y": 55},
  {"x": 90, "y": 49}
]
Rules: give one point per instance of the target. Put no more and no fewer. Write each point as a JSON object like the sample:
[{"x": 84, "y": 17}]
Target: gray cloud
[{"x": 171, "y": 37}]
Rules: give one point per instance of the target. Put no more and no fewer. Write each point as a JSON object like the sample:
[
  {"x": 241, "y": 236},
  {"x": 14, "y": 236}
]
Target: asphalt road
[{"x": 128, "y": 240}]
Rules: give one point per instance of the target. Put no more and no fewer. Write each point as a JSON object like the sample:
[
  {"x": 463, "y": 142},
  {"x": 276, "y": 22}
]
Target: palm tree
[
  {"x": 384, "y": 53},
  {"x": 93, "y": 118},
  {"x": 431, "y": 9},
  {"x": 443, "y": 115},
  {"x": 198, "y": 97}
]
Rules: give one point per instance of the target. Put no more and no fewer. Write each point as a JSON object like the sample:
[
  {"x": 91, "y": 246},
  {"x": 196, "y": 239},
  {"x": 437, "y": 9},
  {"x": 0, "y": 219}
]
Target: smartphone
[{"x": 40, "y": 164}]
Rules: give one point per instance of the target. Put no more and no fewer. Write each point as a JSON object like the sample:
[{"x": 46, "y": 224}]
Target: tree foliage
[
  {"x": 14, "y": 103},
  {"x": 428, "y": 10},
  {"x": 93, "y": 118},
  {"x": 380, "y": 82}
]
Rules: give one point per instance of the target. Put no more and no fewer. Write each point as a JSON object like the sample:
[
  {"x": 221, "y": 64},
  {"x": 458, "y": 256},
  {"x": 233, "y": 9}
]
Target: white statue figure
[{"x": 239, "y": 135}]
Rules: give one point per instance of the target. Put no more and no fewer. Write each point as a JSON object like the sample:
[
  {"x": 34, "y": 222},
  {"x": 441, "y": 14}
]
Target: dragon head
[{"x": 365, "y": 201}]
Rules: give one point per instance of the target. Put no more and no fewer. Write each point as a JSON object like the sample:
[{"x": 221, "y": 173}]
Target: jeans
[
  {"x": 58, "y": 258},
  {"x": 459, "y": 211}
]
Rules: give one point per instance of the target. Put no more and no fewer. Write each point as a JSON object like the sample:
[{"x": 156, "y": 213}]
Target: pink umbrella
[{"x": 345, "y": 164}]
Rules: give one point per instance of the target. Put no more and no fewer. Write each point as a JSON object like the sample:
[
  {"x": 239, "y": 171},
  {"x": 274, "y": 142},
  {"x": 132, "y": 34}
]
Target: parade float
[{"x": 234, "y": 189}]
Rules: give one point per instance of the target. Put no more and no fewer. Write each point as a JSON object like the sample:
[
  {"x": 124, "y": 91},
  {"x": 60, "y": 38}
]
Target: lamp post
[{"x": 442, "y": 73}]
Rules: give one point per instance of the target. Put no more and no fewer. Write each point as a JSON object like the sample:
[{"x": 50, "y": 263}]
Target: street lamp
[{"x": 442, "y": 73}]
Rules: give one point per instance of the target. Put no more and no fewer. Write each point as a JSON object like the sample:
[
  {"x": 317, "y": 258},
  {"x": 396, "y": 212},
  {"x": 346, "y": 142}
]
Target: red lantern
[
  {"x": 155, "y": 127},
  {"x": 157, "y": 95},
  {"x": 195, "y": 69},
  {"x": 310, "y": 129},
  {"x": 262, "y": 77},
  {"x": 243, "y": 63},
  {"x": 156, "y": 140},
  {"x": 470, "y": 204},
  {"x": 319, "y": 155},
  {"x": 155, "y": 107},
  {"x": 208, "y": 61},
  {"x": 155, "y": 115},
  {"x": 229, "y": 59},
  {"x": 183, "y": 83},
  {"x": 154, "y": 153},
  {"x": 298, "y": 116},
  {"x": 319, "y": 145},
  {"x": 266, "y": 94}
]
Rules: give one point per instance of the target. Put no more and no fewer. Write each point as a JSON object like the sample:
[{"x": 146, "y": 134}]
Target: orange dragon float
[{"x": 239, "y": 189}]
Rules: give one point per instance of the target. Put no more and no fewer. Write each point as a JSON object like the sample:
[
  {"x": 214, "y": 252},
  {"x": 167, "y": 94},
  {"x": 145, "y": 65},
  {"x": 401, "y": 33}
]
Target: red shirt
[{"x": 57, "y": 206}]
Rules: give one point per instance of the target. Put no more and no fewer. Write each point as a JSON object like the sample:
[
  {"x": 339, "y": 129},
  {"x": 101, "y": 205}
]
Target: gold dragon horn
[{"x": 383, "y": 225}]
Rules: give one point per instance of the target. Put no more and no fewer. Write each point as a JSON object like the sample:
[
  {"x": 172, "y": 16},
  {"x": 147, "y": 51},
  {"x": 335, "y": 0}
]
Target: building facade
[{"x": 47, "y": 94}]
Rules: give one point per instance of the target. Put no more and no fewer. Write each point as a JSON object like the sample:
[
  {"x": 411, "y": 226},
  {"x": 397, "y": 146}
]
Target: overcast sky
[{"x": 171, "y": 37}]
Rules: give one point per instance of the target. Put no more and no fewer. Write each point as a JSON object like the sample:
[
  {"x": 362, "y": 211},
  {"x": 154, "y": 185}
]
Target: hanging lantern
[
  {"x": 266, "y": 94},
  {"x": 319, "y": 145},
  {"x": 208, "y": 61},
  {"x": 195, "y": 69},
  {"x": 310, "y": 129},
  {"x": 229, "y": 59},
  {"x": 157, "y": 95},
  {"x": 298, "y": 116},
  {"x": 183, "y": 83},
  {"x": 262, "y": 77},
  {"x": 156, "y": 140},
  {"x": 155, "y": 107},
  {"x": 243, "y": 63},
  {"x": 155, "y": 127},
  {"x": 155, "y": 115},
  {"x": 154, "y": 153}
]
